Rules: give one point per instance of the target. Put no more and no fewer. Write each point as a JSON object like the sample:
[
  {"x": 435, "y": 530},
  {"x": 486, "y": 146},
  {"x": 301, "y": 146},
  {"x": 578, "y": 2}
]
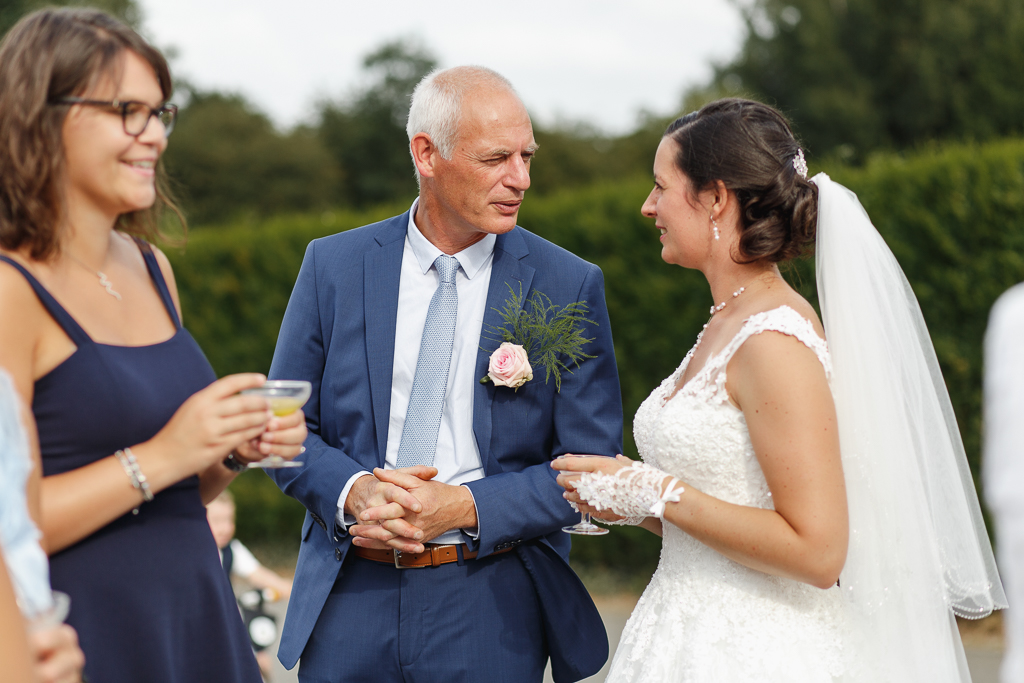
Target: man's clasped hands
[{"x": 403, "y": 509}]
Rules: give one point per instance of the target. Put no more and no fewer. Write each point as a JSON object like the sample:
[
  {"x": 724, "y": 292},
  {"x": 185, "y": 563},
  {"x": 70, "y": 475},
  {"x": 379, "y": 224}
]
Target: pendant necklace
[{"x": 106, "y": 284}]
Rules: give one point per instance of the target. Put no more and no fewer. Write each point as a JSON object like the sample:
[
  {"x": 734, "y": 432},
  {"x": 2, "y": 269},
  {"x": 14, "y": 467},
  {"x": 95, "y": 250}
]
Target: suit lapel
[
  {"x": 382, "y": 272},
  {"x": 507, "y": 270}
]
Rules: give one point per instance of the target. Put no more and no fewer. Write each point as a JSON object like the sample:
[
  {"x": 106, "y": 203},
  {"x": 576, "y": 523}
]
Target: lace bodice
[
  {"x": 705, "y": 617},
  {"x": 698, "y": 435}
]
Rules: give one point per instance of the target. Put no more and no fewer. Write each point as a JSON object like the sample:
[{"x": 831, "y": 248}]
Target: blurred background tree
[
  {"x": 12, "y": 10},
  {"x": 860, "y": 75},
  {"x": 365, "y": 132},
  {"x": 228, "y": 161}
]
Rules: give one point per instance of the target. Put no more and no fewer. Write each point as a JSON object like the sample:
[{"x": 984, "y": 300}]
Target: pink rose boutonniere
[
  {"x": 539, "y": 333},
  {"x": 509, "y": 366}
]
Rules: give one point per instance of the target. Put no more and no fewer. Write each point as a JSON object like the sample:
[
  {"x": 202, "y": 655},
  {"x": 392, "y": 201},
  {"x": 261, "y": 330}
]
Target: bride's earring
[{"x": 714, "y": 228}]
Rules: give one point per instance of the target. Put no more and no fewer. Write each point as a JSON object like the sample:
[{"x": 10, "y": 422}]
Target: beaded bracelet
[{"x": 134, "y": 472}]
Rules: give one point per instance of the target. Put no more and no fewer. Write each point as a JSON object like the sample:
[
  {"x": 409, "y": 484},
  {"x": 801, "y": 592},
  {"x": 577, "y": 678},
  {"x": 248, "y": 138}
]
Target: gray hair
[{"x": 437, "y": 103}]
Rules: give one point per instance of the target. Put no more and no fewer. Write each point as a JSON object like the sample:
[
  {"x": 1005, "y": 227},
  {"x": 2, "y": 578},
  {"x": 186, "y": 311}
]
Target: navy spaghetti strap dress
[{"x": 149, "y": 598}]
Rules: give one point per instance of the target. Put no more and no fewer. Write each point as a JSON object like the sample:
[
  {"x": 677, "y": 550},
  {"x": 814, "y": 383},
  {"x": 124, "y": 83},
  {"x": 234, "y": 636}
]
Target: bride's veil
[{"x": 918, "y": 549}]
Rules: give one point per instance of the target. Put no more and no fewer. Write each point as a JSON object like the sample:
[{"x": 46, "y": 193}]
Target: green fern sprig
[{"x": 551, "y": 335}]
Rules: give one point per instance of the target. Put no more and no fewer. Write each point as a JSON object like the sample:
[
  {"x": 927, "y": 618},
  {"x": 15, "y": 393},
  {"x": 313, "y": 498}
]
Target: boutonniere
[{"x": 539, "y": 333}]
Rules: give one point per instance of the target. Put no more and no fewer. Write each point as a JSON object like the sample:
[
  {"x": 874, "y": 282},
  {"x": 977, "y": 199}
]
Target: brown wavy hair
[
  {"x": 750, "y": 147},
  {"x": 50, "y": 54}
]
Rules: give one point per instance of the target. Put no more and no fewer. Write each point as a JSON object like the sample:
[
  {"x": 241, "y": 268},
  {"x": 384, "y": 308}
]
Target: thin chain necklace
[{"x": 105, "y": 283}]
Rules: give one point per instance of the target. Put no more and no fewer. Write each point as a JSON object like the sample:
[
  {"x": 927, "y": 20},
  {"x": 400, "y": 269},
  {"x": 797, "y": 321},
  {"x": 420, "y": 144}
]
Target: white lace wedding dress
[{"x": 704, "y": 617}]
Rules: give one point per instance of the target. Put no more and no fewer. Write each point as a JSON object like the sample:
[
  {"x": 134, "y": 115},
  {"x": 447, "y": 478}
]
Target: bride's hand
[{"x": 573, "y": 466}]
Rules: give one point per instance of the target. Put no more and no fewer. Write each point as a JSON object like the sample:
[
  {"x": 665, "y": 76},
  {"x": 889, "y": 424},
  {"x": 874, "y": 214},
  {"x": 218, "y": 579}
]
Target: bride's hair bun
[{"x": 750, "y": 147}]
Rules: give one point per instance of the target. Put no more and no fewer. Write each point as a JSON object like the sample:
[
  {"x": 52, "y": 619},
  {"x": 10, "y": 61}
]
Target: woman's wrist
[
  {"x": 160, "y": 467},
  {"x": 233, "y": 463}
]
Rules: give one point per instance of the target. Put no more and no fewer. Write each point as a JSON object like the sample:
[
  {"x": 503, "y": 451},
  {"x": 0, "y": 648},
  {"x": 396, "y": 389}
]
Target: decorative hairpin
[{"x": 800, "y": 164}]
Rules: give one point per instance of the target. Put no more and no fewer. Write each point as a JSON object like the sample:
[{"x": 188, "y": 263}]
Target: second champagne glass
[{"x": 585, "y": 527}]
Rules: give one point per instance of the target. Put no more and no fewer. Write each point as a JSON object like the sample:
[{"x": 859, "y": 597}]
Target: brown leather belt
[{"x": 433, "y": 556}]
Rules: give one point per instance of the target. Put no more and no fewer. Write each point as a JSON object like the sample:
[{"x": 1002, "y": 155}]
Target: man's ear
[{"x": 424, "y": 154}]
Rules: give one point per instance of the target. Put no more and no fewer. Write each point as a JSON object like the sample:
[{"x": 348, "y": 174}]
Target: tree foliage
[
  {"x": 861, "y": 75},
  {"x": 11, "y": 11},
  {"x": 228, "y": 160},
  {"x": 365, "y": 133}
]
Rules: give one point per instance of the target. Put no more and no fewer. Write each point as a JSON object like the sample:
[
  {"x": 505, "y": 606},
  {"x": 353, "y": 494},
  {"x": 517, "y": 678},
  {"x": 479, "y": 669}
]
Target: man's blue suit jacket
[{"x": 339, "y": 333}]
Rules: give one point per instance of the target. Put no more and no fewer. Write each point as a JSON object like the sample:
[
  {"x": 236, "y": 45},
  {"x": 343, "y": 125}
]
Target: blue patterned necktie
[{"x": 423, "y": 418}]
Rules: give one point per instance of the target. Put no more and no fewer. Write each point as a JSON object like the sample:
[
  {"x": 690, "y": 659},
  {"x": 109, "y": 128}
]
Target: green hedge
[{"x": 954, "y": 217}]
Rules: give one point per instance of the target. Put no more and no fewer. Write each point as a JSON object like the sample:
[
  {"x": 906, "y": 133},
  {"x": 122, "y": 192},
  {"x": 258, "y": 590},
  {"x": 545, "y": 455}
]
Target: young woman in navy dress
[{"x": 135, "y": 431}]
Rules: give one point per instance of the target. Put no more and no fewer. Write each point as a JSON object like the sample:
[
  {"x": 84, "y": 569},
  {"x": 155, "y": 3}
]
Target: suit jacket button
[{"x": 337, "y": 554}]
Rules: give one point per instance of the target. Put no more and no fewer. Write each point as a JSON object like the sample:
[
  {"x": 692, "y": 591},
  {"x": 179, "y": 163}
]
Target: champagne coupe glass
[
  {"x": 52, "y": 616},
  {"x": 285, "y": 396},
  {"x": 585, "y": 527}
]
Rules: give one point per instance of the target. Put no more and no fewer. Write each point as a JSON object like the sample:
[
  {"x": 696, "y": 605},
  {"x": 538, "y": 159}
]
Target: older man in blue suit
[{"x": 431, "y": 548}]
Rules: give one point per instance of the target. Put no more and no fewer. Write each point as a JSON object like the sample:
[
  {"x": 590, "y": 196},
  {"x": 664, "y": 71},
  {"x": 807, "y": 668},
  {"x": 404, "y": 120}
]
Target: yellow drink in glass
[{"x": 285, "y": 397}]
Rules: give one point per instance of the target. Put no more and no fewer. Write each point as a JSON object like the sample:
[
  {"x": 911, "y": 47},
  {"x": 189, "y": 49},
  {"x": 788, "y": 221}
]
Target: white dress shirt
[{"x": 458, "y": 456}]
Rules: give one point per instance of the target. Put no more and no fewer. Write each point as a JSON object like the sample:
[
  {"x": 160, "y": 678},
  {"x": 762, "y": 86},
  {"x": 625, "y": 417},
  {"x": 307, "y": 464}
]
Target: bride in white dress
[{"x": 818, "y": 516}]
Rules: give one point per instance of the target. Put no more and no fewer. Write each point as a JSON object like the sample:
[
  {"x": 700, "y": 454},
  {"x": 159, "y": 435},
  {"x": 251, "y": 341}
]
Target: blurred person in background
[
  {"x": 236, "y": 559},
  {"x": 239, "y": 561},
  {"x": 1003, "y": 467},
  {"x": 135, "y": 431},
  {"x": 50, "y": 650}
]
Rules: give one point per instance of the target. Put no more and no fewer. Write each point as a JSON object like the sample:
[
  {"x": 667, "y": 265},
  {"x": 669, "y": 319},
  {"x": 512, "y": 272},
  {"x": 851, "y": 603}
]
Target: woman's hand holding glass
[
  {"x": 56, "y": 655},
  {"x": 53, "y": 645},
  {"x": 287, "y": 429},
  {"x": 572, "y": 467},
  {"x": 213, "y": 422},
  {"x": 282, "y": 439}
]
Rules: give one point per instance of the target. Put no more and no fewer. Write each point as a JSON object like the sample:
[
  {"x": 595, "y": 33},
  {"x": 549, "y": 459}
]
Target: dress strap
[
  {"x": 158, "y": 279},
  {"x": 709, "y": 383},
  {"x": 785, "y": 320},
  {"x": 63, "y": 318}
]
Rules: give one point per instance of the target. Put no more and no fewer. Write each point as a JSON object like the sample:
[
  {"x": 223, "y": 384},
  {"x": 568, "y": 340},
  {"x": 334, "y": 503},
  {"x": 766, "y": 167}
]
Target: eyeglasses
[{"x": 134, "y": 115}]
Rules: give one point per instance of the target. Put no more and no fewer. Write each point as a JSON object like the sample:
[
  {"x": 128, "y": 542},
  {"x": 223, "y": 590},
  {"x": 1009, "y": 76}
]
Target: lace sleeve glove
[{"x": 632, "y": 492}]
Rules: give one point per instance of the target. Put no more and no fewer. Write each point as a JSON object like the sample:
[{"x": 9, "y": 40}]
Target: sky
[{"x": 595, "y": 61}]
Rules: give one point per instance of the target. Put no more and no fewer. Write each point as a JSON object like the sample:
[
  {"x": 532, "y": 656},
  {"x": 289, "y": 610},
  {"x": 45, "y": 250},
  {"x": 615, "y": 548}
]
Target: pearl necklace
[{"x": 719, "y": 307}]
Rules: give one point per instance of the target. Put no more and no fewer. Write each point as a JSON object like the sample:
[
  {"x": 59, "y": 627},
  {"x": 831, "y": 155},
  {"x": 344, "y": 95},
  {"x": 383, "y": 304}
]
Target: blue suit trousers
[{"x": 478, "y": 620}]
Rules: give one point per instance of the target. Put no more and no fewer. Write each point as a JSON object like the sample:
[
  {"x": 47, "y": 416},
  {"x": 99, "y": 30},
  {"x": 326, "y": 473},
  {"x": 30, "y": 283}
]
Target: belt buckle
[{"x": 398, "y": 565}]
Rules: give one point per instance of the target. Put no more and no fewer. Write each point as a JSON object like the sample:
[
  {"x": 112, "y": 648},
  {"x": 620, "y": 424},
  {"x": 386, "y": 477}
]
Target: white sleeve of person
[
  {"x": 243, "y": 562},
  {"x": 634, "y": 491}
]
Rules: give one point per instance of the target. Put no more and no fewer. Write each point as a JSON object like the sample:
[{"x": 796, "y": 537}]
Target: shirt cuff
[
  {"x": 343, "y": 519},
  {"x": 473, "y": 533}
]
